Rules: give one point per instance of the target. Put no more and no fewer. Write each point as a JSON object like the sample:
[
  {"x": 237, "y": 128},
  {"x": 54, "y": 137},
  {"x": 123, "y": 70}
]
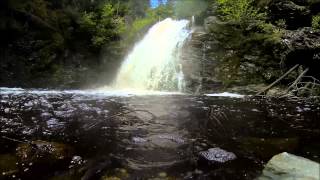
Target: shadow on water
[{"x": 79, "y": 136}]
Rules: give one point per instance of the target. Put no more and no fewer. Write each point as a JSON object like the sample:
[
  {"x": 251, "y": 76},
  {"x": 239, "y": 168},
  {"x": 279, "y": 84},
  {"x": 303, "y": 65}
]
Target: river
[{"x": 95, "y": 134}]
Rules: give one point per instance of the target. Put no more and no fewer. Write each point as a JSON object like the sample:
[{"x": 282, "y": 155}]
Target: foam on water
[{"x": 226, "y": 94}]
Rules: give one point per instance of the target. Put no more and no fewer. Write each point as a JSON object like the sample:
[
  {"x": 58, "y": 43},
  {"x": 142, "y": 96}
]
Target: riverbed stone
[{"x": 287, "y": 166}]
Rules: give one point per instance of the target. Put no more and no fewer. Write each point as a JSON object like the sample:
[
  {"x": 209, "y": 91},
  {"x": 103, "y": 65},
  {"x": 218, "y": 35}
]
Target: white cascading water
[{"x": 153, "y": 64}]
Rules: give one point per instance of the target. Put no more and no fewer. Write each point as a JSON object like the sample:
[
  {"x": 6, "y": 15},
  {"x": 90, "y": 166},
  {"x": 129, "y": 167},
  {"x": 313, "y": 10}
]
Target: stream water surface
[{"x": 116, "y": 135}]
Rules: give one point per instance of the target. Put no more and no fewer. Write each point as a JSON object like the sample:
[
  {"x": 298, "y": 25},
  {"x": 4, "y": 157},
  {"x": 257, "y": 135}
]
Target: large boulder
[{"x": 287, "y": 166}]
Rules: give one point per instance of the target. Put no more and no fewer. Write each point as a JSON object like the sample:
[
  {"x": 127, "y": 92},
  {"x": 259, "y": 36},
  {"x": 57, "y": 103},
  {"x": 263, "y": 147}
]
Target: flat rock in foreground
[{"x": 286, "y": 166}]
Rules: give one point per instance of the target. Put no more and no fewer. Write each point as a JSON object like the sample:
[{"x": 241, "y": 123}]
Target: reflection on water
[{"x": 79, "y": 134}]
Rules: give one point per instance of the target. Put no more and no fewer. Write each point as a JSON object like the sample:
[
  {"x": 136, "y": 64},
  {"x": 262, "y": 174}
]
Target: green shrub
[{"x": 316, "y": 22}]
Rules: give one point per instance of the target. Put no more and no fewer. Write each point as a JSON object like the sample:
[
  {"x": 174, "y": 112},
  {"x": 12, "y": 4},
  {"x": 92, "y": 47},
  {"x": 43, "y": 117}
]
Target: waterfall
[{"x": 153, "y": 64}]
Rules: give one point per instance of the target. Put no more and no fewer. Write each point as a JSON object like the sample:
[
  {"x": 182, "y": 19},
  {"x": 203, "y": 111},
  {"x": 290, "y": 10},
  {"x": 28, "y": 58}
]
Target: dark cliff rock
[
  {"x": 219, "y": 57},
  {"x": 199, "y": 65},
  {"x": 295, "y": 15},
  {"x": 303, "y": 47}
]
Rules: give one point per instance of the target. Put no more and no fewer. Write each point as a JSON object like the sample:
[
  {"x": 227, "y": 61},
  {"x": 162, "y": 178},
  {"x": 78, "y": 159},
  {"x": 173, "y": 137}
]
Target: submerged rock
[
  {"x": 116, "y": 174},
  {"x": 287, "y": 166},
  {"x": 267, "y": 147},
  {"x": 166, "y": 140},
  {"x": 8, "y": 164},
  {"x": 43, "y": 152},
  {"x": 217, "y": 155}
]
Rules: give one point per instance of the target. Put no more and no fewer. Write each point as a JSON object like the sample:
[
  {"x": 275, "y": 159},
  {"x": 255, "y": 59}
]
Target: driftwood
[
  {"x": 311, "y": 85},
  {"x": 278, "y": 80},
  {"x": 297, "y": 80}
]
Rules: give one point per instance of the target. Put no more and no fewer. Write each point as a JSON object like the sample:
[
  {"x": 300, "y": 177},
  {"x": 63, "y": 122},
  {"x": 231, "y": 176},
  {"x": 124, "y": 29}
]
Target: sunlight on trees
[{"x": 240, "y": 10}]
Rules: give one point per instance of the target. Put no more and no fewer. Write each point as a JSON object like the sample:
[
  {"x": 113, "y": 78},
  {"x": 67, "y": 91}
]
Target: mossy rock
[{"x": 287, "y": 166}]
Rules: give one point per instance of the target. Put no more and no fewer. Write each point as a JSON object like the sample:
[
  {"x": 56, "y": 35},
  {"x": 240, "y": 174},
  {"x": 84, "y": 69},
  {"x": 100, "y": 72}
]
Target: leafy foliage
[
  {"x": 316, "y": 22},
  {"x": 103, "y": 26},
  {"x": 240, "y": 11}
]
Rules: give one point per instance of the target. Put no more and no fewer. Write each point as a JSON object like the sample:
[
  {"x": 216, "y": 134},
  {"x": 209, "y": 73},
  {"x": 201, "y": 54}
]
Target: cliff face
[
  {"x": 198, "y": 64},
  {"x": 223, "y": 56}
]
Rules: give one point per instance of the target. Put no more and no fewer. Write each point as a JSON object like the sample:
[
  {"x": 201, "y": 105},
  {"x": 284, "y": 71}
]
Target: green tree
[
  {"x": 103, "y": 26},
  {"x": 240, "y": 11}
]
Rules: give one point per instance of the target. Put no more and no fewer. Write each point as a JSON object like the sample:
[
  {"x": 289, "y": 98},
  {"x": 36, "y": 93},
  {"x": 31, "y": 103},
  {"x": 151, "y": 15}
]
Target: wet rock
[
  {"x": 138, "y": 140},
  {"x": 210, "y": 21},
  {"x": 45, "y": 115},
  {"x": 286, "y": 166},
  {"x": 76, "y": 161},
  {"x": 54, "y": 124},
  {"x": 64, "y": 114},
  {"x": 217, "y": 155},
  {"x": 29, "y": 104},
  {"x": 39, "y": 152},
  {"x": 6, "y": 110}
]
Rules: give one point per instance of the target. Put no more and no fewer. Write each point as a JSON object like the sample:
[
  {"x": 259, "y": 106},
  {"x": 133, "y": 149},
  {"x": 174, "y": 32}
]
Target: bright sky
[{"x": 156, "y": 3}]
